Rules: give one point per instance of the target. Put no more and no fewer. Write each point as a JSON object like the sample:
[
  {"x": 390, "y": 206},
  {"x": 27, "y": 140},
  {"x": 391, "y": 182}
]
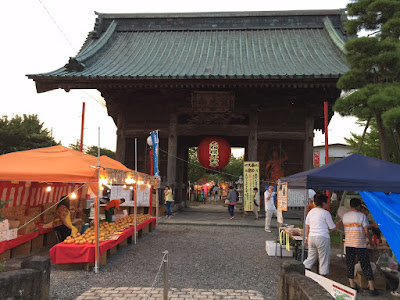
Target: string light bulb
[
  {"x": 73, "y": 195},
  {"x": 48, "y": 189}
]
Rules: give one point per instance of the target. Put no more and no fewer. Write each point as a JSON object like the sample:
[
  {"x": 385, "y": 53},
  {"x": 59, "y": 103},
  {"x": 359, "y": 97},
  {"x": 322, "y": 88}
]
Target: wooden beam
[
  {"x": 141, "y": 132},
  {"x": 280, "y": 135},
  {"x": 217, "y": 129}
]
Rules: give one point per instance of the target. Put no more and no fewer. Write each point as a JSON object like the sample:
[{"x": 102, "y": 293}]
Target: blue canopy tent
[{"x": 361, "y": 173}]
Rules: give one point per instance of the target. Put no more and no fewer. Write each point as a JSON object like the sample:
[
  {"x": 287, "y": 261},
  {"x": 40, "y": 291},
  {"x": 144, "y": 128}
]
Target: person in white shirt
[
  {"x": 318, "y": 223},
  {"x": 270, "y": 209},
  {"x": 334, "y": 197},
  {"x": 256, "y": 204}
]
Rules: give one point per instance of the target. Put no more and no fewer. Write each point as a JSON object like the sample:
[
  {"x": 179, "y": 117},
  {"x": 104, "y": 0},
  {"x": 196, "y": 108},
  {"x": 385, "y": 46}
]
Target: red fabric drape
[{"x": 72, "y": 253}]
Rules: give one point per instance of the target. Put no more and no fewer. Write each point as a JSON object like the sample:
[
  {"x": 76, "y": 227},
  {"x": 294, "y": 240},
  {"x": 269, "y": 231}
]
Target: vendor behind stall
[
  {"x": 62, "y": 224},
  {"x": 111, "y": 207}
]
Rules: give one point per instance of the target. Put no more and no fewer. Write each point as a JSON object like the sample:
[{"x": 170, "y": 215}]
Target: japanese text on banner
[
  {"x": 251, "y": 179},
  {"x": 283, "y": 196}
]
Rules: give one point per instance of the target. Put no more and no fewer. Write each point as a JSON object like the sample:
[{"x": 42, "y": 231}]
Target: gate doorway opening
[{"x": 206, "y": 186}]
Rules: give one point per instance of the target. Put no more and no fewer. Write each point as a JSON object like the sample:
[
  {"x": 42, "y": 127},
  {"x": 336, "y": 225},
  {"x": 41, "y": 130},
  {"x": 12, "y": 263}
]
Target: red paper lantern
[{"x": 214, "y": 153}]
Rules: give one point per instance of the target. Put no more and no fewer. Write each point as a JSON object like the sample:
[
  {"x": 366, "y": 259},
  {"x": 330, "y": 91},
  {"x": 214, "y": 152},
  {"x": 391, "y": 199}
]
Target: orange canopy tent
[
  {"x": 54, "y": 164},
  {"x": 59, "y": 164}
]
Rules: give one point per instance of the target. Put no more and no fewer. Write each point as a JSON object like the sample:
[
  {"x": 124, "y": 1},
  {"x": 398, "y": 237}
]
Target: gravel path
[{"x": 201, "y": 257}]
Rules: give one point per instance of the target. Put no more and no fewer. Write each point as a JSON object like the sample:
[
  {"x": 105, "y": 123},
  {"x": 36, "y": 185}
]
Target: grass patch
[{"x": 335, "y": 235}]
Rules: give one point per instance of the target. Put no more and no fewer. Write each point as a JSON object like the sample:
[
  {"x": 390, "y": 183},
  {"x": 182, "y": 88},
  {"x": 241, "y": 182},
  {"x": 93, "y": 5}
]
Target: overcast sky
[{"x": 33, "y": 43}]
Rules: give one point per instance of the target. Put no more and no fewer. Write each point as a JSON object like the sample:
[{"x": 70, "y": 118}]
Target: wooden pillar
[
  {"x": 185, "y": 171},
  {"x": 121, "y": 139},
  {"x": 252, "y": 140},
  {"x": 308, "y": 141},
  {"x": 172, "y": 147},
  {"x": 179, "y": 188}
]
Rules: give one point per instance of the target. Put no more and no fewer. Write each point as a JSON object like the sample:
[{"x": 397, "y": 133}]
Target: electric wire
[
  {"x": 200, "y": 166},
  {"x": 59, "y": 28},
  {"x": 101, "y": 102}
]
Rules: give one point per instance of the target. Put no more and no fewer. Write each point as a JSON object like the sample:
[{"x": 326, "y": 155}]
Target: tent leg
[{"x": 304, "y": 226}]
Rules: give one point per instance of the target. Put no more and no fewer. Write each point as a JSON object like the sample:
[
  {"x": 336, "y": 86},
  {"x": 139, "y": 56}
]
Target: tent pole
[
  {"x": 97, "y": 210},
  {"x": 304, "y": 225},
  {"x": 135, "y": 207},
  {"x": 326, "y": 146},
  {"x": 157, "y": 202},
  {"x": 136, "y": 154}
]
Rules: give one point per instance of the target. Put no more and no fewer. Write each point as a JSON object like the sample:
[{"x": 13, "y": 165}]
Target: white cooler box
[{"x": 273, "y": 249}]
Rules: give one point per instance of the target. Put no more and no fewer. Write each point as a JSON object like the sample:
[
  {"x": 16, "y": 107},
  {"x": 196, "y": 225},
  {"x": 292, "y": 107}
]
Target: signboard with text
[
  {"x": 143, "y": 195},
  {"x": 283, "y": 196},
  {"x": 316, "y": 159},
  {"x": 251, "y": 179}
]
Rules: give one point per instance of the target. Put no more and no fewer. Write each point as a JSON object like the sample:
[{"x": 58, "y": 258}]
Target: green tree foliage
[
  {"x": 75, "y": 146},
  {"x": 196, "y": 170},
  {"x": 231, "y": 172},
  {"x": 24, "y": 132},
  {"x": 93, "y": 150},
  {"x": 371, "y": 145},
  {"x": 375, "y": 67}
]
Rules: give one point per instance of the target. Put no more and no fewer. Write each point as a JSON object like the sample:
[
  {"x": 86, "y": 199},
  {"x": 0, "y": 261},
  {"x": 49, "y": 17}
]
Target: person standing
[
  {"x": 311, "y": 196},
  {"x": 168, "y": 198},
  {"x": 111, "y": 207},
  {"x": 256, "y": 204},
  {"x": 232, "y": 199},
  {"x": 356, "y": 234},
  {"x": 318, "y": 223},
  {"x": 270, "y": 209},
  {"x": 216, "y": 191},
  {"x": 204, "y": 190}
]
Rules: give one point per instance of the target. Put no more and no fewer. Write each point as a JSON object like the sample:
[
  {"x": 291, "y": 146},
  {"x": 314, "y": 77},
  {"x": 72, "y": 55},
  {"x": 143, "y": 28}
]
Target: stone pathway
[{"x": 120, "y": 293}]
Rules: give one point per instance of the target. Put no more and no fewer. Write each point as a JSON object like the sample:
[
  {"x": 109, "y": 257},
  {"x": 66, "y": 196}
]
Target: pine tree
[{"x": 374, "y": 62}]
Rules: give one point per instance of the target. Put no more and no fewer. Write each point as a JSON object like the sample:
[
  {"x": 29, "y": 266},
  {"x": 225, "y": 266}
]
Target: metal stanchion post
[{"x": 165, "y": 265}]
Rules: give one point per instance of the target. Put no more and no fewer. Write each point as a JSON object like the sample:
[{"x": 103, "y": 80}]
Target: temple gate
[{"x": 258, "y": 79}]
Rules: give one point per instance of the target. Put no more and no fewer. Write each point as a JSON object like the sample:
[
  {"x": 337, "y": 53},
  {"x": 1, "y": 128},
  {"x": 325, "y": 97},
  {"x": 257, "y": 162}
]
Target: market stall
[
  {"x": 64, "y": 253},
  {"x": 373, "y": 177},
  {"x": 39, "y": 177},
  {"x": 378, "y": 183}
]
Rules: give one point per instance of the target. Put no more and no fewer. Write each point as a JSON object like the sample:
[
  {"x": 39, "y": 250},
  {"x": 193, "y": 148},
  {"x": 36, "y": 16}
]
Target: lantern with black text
[{"x": 214, "y": 153}]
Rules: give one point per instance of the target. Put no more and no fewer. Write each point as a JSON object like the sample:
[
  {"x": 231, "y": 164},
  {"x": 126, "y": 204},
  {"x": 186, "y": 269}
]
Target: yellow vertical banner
[{"x": 251, "y": 179}]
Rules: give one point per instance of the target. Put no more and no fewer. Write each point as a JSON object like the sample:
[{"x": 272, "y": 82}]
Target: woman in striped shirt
[{"x": 356, "y": 234}]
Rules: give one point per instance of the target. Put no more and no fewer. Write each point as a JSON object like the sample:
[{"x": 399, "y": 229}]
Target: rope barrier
[
  {"x": 158, "y": 273},
  {"x": 52, "y": 206}
]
